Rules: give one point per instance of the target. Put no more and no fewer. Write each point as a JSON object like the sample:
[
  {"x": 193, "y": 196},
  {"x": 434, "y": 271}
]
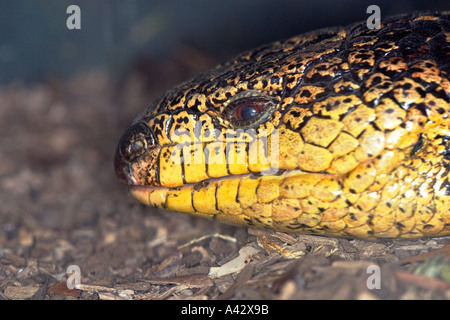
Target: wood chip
[
  {"x": 422, "y": 281},
  {"x": 61, "y": 289},
  {"x": 234, "y": 265},
  {"x": 420, "y": 257},
  {"x": 243, "y": 277},
  {"x": 283, "y": 244},
  {"x": 215, "y": 235},
  {"x": 193, "y": 281},
  {"x": 25, "y": 237},
  {"x": 15, "y": 260},
  {"x": 15, "y": 293}
]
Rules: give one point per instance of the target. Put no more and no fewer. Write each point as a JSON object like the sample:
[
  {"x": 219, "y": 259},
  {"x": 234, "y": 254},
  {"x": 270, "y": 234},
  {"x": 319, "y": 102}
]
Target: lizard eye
[
  {"x": 247, "y": 112},
  {"x": 248, "y": 109}
]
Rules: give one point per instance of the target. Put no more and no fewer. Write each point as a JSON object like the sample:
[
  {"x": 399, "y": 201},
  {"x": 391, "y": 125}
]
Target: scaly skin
[{"x": 355, "y": 128}]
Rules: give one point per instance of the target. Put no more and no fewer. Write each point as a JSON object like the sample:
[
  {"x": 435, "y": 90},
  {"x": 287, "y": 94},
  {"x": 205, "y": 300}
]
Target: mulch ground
[{"x": 61, "y": 205}]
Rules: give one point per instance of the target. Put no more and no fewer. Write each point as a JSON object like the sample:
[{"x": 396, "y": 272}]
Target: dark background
[{"x": 35, "y": 43}]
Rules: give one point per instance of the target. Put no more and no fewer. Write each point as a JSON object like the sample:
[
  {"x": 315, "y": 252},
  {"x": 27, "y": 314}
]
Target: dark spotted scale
[{"x": 340, "y": 132}]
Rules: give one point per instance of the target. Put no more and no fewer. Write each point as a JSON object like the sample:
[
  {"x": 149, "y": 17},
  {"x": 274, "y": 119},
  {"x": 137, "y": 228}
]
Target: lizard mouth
[
  {"x": 215, "y": 195},
  {"x": 157, "y": 196},
  {"x": 151, "y": 196},
  {"x": 250, "y": 199}
]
